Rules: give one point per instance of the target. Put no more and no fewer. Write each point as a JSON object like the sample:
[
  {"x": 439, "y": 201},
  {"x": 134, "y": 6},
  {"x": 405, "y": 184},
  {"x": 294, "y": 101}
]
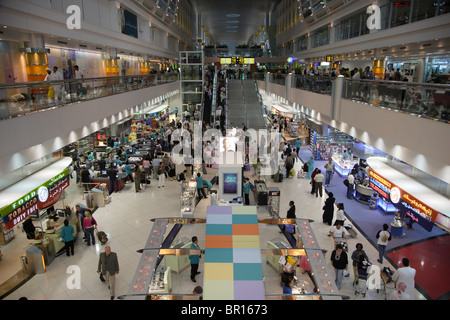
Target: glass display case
[
  {"x": 179, "y": 263},
  {"x": 188, "y": 199},
  {"x": 277, "y": 243},
  {"x": 342, "y": 164},
  {"x": 274, "y": 201},
  {"x": 161, "y": 281}
]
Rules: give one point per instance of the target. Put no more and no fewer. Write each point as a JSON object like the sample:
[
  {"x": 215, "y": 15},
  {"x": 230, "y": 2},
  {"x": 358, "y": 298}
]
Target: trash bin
[
  {"x": 35, "y": 258},
  {"x": 26, "y": 268},
  {"x": 99, "y": 198},
  {"x": 213, "y": 195}
]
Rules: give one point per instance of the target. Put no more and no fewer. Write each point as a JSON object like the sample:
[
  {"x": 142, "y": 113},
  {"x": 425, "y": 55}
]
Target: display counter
[
  {"x": 230, "y": 203},
  {"x": 188, "y": 197},
  {"x": 179, "y": 263},
  {"x": 272, "y": 260},
  {"x": 342, "y": 165},
  {"x": 121, "y": 179},
  {"x": 53, "y": 232},
  {"x": 261, "y": 193},
  {"x": 135, "y": 160},
  {"x": 161, "y": 281}
]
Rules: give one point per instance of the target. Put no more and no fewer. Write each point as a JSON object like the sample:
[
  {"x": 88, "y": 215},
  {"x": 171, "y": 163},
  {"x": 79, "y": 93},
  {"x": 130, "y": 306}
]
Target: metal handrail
[{"x": 46, "y": 83}]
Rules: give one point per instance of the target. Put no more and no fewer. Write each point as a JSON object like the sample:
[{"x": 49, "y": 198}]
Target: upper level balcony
[{"x": 18, "y": 99}]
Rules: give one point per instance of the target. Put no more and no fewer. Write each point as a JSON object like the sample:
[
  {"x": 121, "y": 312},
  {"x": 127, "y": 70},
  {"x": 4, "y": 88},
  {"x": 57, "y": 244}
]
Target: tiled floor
[{"x": 126, "y": 220}]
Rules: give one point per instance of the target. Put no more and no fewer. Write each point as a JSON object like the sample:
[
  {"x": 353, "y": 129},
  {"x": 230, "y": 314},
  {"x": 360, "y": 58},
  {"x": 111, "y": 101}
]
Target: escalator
[{"x": 244, "y": 105}]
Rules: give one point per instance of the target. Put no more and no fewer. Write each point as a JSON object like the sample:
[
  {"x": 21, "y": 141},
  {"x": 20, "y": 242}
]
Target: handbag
[
  {"x": 346, "y": 182},
  {"x": 102, "y": 279}
]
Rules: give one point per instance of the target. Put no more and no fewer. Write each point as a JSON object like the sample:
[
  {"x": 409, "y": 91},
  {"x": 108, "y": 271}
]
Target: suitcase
[{"x": 102, "y": 237}]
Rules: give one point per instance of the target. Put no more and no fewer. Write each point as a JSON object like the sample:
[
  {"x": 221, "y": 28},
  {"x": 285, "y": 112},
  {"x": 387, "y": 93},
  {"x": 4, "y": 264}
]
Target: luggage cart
[{"x": 361, "y": 286}]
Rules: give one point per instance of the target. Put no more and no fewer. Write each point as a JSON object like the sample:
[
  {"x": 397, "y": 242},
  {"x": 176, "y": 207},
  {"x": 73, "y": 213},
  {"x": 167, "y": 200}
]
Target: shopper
[
  {"x": 340, "y": 263},
  {"x": 310, "y": 167},
  {"x": 383, "y": 236},
  {"x": 155, "y": 164},
  {"x": 200, "y": 189},
  {"x": 86, "y": 179},
  {"x": 313, "y": 183},
  {"x": 80, "y": 212},
  {"x": 350, "y": 185},
  {"x": 328, "y": 209},
  {"x": 337, "y": 233},
  {"x": 161, "y": 174},
  {"x": 89, "y": 224},
  {"x": 137, "y": 178},
  {"x": 146, "y": 164},
  {"x": 194, "y": 259},
  {"x": 247, "y": 191},
  {"x": 406, "y": 275},
  {"x": 67, "y": 235},
  {"x": 318, "y": 180},
  {"x": 128, "y": 171},
  {"x": 340, "y": 216},
  {"x": 298, "y": 145},
  {"x": 108, "y": 266},
  {"x": 329, "y": 167},
  {"x": 198, "y": 290},
  {"x": 400, "y": 293},
  {"x": 112, "y": 174},
  {"x": 287, "y": 285},
  {"x": 358, "y": 256},
  {"x": 172, "y": 170},
  {"x": 289, "y": 164}
]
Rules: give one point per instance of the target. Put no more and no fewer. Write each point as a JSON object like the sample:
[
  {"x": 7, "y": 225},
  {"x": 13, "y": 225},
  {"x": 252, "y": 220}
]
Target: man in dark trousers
[
  {"x": 108, "y": 266},
  {"x": 290, "y": 214},
  {"x": 112, "y": 174},
  {"x": 195, "y": 259}
]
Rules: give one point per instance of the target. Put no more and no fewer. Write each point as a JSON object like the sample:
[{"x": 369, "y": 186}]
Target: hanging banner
[
  {"x": 408, "y": 205},
  {"x": 41, "y": 197}
]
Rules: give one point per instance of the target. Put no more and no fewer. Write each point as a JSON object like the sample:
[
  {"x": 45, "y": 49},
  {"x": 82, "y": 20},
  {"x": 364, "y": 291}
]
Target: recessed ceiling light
[
  {"x": 232, "y": 21},
  {"x": 231, "y": 30},
  {"x": 233, "y": 15},
  {"x": 232, "y": 27}
]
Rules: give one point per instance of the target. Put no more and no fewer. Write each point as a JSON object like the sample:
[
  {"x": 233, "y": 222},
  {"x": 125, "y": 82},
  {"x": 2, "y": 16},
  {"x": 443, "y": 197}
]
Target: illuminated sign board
[
  {"x": 41, "y": 197},
  {"x": 225, "y": 60},
  {"x": 329, "y": 58},
  {"x": 249, "y": 60},
  {"x": 237, "y": 60},
  {"x": 407, "y": 204}
]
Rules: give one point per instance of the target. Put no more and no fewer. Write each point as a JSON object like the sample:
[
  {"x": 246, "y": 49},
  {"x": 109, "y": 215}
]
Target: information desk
[
  {"x": 121, "y": 179},
  {"x": 343, "y": 167}
]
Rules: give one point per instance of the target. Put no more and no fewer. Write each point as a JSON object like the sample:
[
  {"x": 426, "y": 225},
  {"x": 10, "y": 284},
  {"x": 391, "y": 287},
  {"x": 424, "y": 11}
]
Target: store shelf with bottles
[
  {"x": 5, "y": 234},
  {"x": 101, "y": 141},
  {"x": 85, "y": 145}
]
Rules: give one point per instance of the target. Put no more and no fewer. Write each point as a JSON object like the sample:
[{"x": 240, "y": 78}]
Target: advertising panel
[
  {"x": 41, "y": 197},
  {"x": 407, "y": 205},
  {"x": 230, "y": 183}
]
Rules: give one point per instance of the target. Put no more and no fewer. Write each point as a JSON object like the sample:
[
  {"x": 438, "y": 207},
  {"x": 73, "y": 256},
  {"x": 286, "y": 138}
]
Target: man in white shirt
[
  {"x": 78, "y": 75},
  {"x": 406, "y": 275},
  {"x": 351, "y": 182},
  {"x": 329, "y": 167},
  {"x": 318, "y": 180},
  {"x": 56, "y": 75}
]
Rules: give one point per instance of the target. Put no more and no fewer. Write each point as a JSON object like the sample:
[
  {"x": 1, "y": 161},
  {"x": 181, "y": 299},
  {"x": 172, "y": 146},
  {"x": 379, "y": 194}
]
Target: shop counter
[
  {"x": 188, "y": 199},
  {"x": 179, "y": 263},
  {"x": 120, "y": 181},
  {"x": 54, "y": 235},
  {"x": 341, "y": 166}
]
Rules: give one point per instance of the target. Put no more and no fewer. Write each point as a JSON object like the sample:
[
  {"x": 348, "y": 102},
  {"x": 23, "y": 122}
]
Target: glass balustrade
[
  {"x": 425, "y": 100},
  {"x": 421, "y": 99},
  {"x": 17, "y": 99}
]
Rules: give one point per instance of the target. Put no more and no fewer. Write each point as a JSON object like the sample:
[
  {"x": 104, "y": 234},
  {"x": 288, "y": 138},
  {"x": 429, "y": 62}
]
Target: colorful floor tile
[{"x": 232, "y": 267}]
